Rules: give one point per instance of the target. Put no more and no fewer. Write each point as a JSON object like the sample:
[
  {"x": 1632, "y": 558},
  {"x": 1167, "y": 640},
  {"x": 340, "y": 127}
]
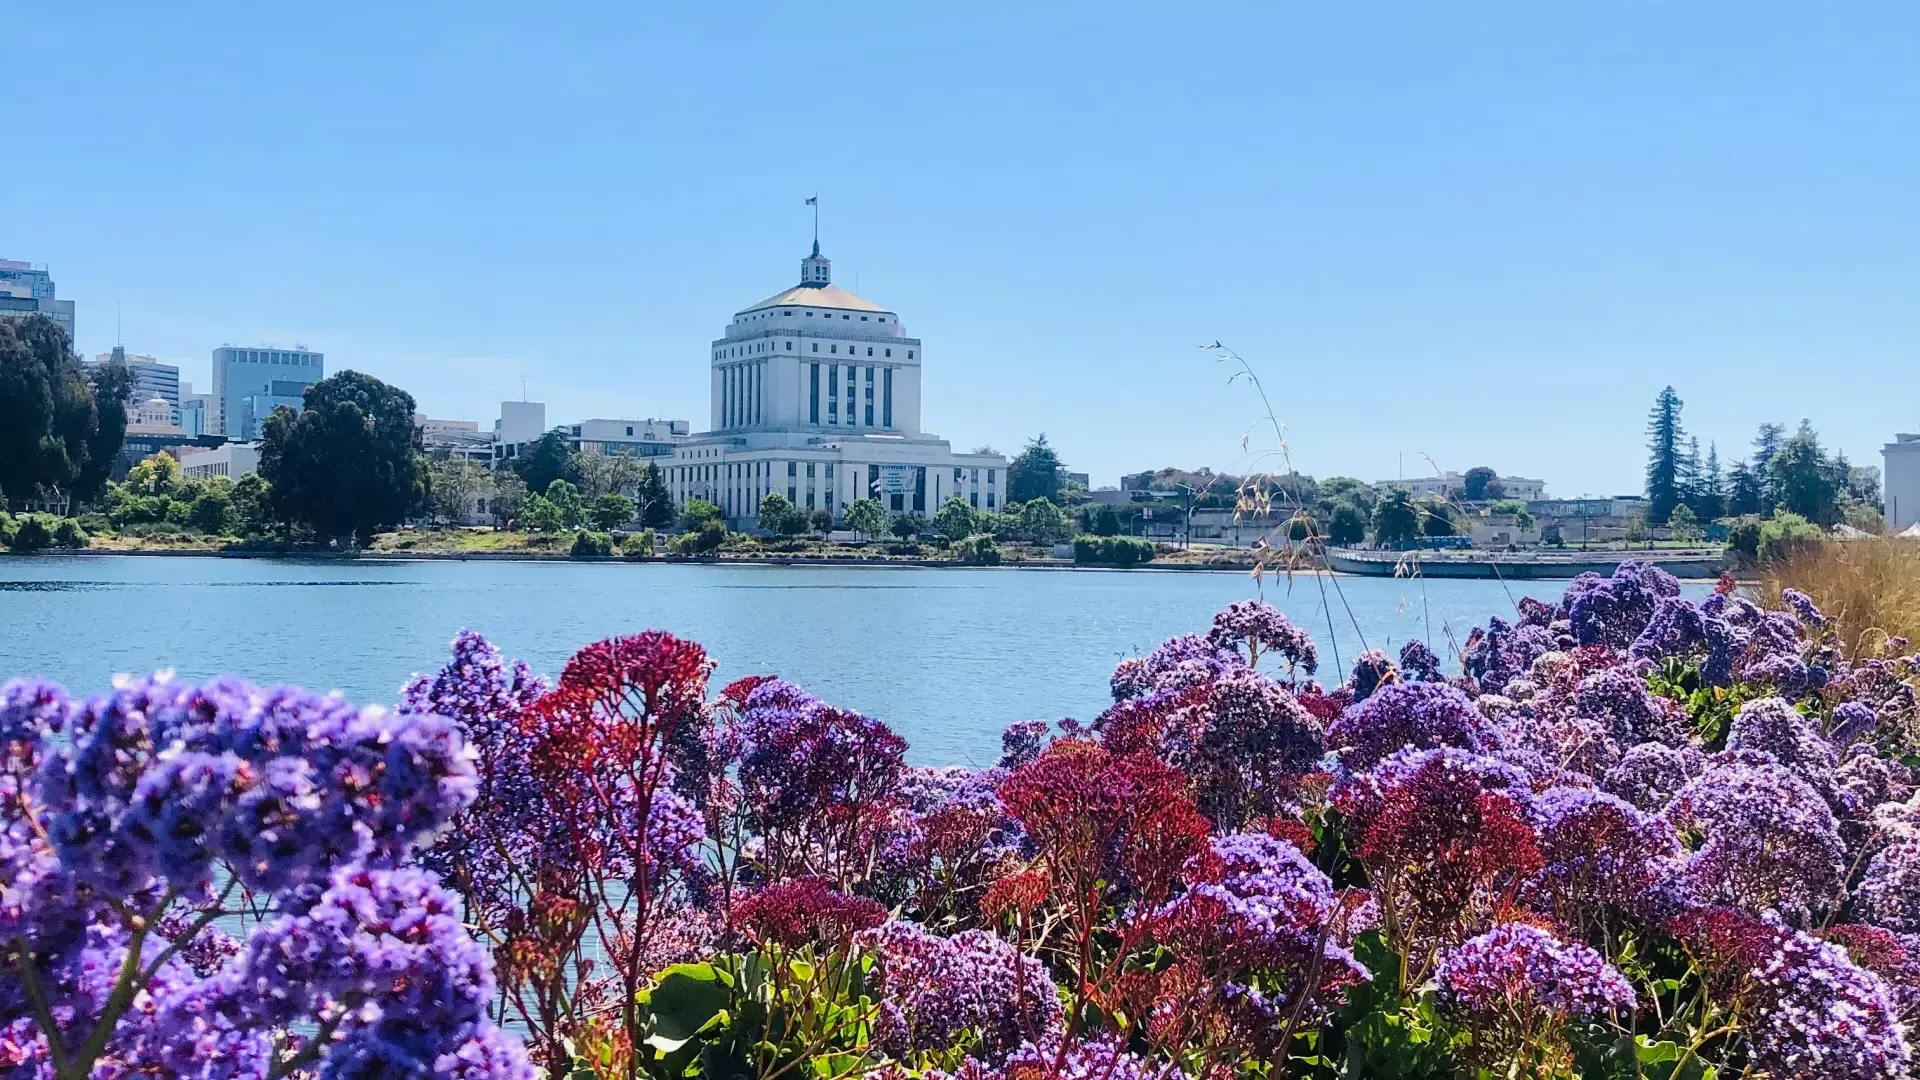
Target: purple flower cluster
[
  {"x": 1615, "y": 611},
  {"x": 1520, "y": 968},
  {"x": 1599, "y": 849},
  {"x": 1771, "y": 843},
  {"x": 1773, "y": 726},
  {"x": 1256, "y": 904},
  {"x": 1821, "y": 1015},
  {"x": 1253, "y": 629},
  {"x": 1417, "y": 716},
  {"x": 1418, "y": 663},
  {"x": 1101, "y": 1058},
  {"x": 1371, "y": 669},
  {"x": 149, "y": 795},
  {"x": 935, "y": 989},
  {"x": 1650, "y": 774}
]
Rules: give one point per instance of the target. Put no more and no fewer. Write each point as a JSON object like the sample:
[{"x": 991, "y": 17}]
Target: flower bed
[{"x": 1634, "y": 836}]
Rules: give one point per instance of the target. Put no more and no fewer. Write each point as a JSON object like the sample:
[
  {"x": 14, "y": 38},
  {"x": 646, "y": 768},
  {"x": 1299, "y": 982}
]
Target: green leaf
[
  {"x": 801, "y": 969},
  {"x": 1652, "y": 1053}
]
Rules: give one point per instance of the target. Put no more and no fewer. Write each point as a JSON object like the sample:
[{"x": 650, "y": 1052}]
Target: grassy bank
[{"x": 1869, "y": 589}]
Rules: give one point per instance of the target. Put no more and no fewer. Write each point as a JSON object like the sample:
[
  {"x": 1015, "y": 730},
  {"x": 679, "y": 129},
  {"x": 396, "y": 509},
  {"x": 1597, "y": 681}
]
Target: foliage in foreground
[{"x": 1637, "y": 836}]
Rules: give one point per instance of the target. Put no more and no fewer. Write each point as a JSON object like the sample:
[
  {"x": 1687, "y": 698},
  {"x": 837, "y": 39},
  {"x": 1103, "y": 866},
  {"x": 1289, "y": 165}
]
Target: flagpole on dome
[{"x": 814, "y": 201}]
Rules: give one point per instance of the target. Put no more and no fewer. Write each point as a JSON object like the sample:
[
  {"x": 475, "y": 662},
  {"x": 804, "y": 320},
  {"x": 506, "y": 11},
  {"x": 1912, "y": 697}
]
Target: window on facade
[
  {"x": 956, "y": 476},
  {"x": 629, "y": 430},
  {"x": 989, "y": 500},
  {"x": 793, "y": 468},
  {"x": 789, "y": 346},
  {"x": 990, "y": 475},
  {"x": 973, "y": 499},
  {"x": 886, "y": 398},
  {"x": 813, "y": 399},
  {"x": 909, "y": 354},
  {"x": 816, "y": 346}
]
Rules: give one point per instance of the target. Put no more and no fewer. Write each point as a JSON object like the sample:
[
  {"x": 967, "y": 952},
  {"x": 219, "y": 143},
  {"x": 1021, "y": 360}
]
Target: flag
[{"x": 813, "y": 200}]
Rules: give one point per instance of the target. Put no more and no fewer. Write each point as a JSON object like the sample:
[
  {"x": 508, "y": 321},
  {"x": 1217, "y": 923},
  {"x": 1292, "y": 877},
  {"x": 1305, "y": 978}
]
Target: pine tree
[
  {"x": 1744, "y": 494},
  {"x": 1712, "y": 502},
  {"x": 1765, "y": 445},
  {"x": 1665, "y": 466},
  {"x": 1689, "y": 474}
]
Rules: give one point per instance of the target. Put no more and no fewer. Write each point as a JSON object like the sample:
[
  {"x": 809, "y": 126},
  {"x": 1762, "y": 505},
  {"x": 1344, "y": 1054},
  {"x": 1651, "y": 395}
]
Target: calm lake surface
[{"x": 947, "y": 657}]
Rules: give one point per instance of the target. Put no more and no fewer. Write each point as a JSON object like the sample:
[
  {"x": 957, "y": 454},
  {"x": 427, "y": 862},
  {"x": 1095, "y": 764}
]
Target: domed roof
[{"x": 826, "y": 296}]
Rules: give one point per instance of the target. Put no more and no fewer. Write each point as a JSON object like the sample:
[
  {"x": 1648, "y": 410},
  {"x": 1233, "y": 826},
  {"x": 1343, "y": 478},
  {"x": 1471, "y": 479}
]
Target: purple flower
[
  {"x": 1022, "y": 742},
  {"x": 1253, "y": 629},
  {"x": 1677, "y": 629},
  {"x": 1804, "y": 608},
  {"x": 1370, "y": 670},
  {"x": 1771, "y": 843},
  {"x": 1776, "y": 727},
  {"x": 933, "y": 990},
  {"x": 1614, "y": 611},
  {"x": 1649, "y": 774},
  {"x": 1821, "y": 1015},
  {"x": 1619, "y": 697},
  {"x": 1401, "y": 716},
  {"x": 1889, "y": 893},
  {"x": 1599, "y": 849},
  {"x": 1418, "y": 663},
  {"x": 1852, "y": 721},
  {"x": 1516, "y": 968},
  {"x": 1101, "y": 1058}
]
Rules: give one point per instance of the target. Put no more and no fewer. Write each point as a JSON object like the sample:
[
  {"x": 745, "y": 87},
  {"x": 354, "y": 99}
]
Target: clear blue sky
[{"x": 1485, "y": 232}]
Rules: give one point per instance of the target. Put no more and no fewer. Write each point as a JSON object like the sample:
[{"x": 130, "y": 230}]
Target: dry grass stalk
[{"x": 1869, "y": 588}]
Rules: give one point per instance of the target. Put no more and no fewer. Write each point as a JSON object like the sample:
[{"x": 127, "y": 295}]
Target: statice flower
[
  {"x": 1257, "y": 743},
  {"x": 1614, "y": 611},
  {"x": 1866, "y": 780},
  {"x": 1517, "y": 967},
  {"x": 1619, "y": 696},
  {"x": 1418, "y": 663},
  {"x": 933, "y": 990},
  {"x": 1418, "y": 716},
  {"x": 1771, "y": 843},
  {"x": 1371, "y": 669},
  {"x": 1774, "y": 726},
  {"x": 1252, "y": 629},
  {"x": 1804, "y": 608},
  {"x": 1497, "y": 655},
  {"x": 1022, "y": 742},
  {"x": 804, "y": 911},
  {"x": 1889, "y": 892},
  {"x": 1650, "y": 774},
  {"x": 1822, "y": 1015},
  {"x": 1851, "y": 722},
  {"x": 1677, "y": 629},
  {"x": 1101, "y": 1058},
  {"x": 1598, "y": 849}
]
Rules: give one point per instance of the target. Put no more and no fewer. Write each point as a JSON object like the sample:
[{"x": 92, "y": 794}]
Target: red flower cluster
[{"x": 804, "y": 911}]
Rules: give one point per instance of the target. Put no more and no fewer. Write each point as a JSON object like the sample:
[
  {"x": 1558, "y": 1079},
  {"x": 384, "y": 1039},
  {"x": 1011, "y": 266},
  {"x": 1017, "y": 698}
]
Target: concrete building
[
  {"x": 194, "y": 410},
  {"x": 275, "y": 376},
  {"x": 816, "y": 395},
  {"x": 153, "y": 416},
  {"x": 634, "y": 438},
  {"x": 1901, "y": 475},
  {"x": 1452, "y": 485},
  {"x": 151, "y": 378},
  {"x": 454, "y": 438},
  {"x": 232, "y": 460},
  {"x": 520, "y": 423},
  {"x": 26, "y": 291}
]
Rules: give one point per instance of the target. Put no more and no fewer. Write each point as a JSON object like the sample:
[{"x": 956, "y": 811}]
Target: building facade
[
  {"x": 816, "y": 395},
  {"x": 1452, "y": 485},
  {"x": 194, "y": 409},
  {"x": 26, "y": 291},
  {"x": 270, "y": 376},
  {"x": 231, "y": 460},
  {"x": 1901, "y": 475},
  {"x": 151, "y": 378}
]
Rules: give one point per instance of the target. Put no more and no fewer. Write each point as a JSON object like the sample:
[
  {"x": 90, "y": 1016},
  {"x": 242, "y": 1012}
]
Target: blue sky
[{"x": 1484, "y": 233}]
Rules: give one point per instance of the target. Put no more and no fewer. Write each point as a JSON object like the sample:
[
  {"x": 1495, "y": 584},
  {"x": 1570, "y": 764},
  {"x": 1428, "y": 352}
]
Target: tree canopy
[
  {"x": 653, "y": 502},
  {"x": 61, "y": 426},
  {"x": 1665, "y": 469},
  {"x": 544, "y": 460},
  {"x": 866, "y": 517},
  {"x": 1474, "y": 483},
  {"x": 1396, "y": 520},
  {"x": 1035, "y": 473},
  {"x": 348, "y": 464}
]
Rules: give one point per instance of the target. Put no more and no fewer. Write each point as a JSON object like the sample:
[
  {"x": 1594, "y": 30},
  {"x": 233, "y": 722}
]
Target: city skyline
[{"x": 1489, "y": 237}]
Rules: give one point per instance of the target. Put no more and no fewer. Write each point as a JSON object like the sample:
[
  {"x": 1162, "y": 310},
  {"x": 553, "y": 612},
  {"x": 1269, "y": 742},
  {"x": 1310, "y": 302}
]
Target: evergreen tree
[
  {"x": 544, "y": 461},
  {"x": 1396, "y": 520},
  {"x": 1765, "y": 445},
  {"x": 1805, "y": 480},
  {"x": 348, "y": 464},
  {"x": 1665, "y": 465},
  {"x": 1035, "y": 474},
  {"x": 1744, "y": 491},
  {"x": 653, "y": 500},
  {"x": 1690, "y": 476},
  {"x": 1712, "y": 501}
]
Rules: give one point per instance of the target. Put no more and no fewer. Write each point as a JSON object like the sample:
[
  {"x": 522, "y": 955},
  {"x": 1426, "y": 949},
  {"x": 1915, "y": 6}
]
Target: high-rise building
[
  {"x": 273, "y": 376},
  {"x": 194, "y": 410},
  {"x": 1902, "y": 479},
  {"x": 26, "y": 291},
  {"x": 151, "y": 378}
]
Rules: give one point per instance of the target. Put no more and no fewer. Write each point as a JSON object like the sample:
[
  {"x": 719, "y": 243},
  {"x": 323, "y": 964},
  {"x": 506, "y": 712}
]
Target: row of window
[
  {"x": 833, "y": 395},
  {"x": 737, "y": 351},
  {"x": 266, "y": 356},
  {"x": 788, "y": 313},
  {"x": 740, "y": 386}
]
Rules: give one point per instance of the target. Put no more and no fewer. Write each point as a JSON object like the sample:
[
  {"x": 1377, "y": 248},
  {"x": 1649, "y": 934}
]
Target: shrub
[
  {"x": 69, "y": 534},
  {"x": 587, "y": 544},
  {"x": 638, "y": 545},
  {"x": 706, "y": 539},
  {"x": 979, "y": 550},
  {"x": 1112, "y": 550},
  {"x": 610, "y": 511},
  {"x": 30, "y": 534}
]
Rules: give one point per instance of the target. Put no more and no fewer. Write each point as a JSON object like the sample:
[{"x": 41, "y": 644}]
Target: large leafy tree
[
  {"x": 348, "y": 464},
  {"x": 545, "y": 460},
  {"x": 1474, "y": 484},
  {"x": 1035, "y": 473},
  {"x": 1665, "y": 452},
  {"x": 1346, "y": 524},
  {"x": 453, "y": 483},
  {"x": 1396, "y": 520},
  {"x": 1042, "y": 521},
  {"x": 866, "y": 517},
  {"x": 955, "y": 519},
  {"x": 60, "y": 426}
]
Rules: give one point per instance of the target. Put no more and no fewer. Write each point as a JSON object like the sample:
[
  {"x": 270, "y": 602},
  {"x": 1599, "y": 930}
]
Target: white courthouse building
[{"x": 816, "y": 395}]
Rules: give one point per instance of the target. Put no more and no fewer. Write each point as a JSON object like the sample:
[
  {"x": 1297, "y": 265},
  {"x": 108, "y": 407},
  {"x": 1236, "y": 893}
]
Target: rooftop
[{"x": 826, "y": 296}]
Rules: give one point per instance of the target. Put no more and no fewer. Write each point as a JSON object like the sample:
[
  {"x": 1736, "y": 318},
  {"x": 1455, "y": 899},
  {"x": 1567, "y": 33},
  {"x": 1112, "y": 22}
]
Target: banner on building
[{"x": 896, "y": 480}]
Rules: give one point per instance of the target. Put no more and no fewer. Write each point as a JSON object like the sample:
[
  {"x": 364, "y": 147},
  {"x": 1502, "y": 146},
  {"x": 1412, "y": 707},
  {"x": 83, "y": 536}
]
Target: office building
[
  {"x": 816, "y": 395},
  {"x": 151, "y": 379},
  {"x": 194, "y": 410},
  {"x": 231, "y": 460},
  {"x": 249, "y": 382},
  {"x": 25, "y": 291}
]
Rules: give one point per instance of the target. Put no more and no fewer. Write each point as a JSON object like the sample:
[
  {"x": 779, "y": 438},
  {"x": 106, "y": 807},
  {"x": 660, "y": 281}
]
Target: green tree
[
  {"x": 1636, "y": 530},
  {"x": 60, "y": 431},
  {"x": 538, "y": 514},
  {"x": 775, "y": 510},
  {"x": 1346, "y": 524},
  {"x": 543, "y": 461},
  {"x": 348, "y": 464},
  {"x": 1396, "y": 520},
  {"x": 1106, "y": 522},
  {"x": 1805, "y": 480},
  {"x": 1710, "y": 499},
  {"x": 1474, "y": 484},
  {"x": 1042, "y": 521},
  {"x": 1684, "y": 526},
  {"x": 1766, "y": 443},
  {"x": 1435, "y": 518},
  {"x": 611, "y": 511},
  {"x": 505, "y": 492},
  {"x": 453, "y": 483},
  {"x": 1664, "y": 467},
  {"x": 567, "y": 503},
  {"x": 597, "y": 473},
  {"x": 819, "y": 521},
  {"x": 866, "y": 517},
  {"x": 955, "y": 519},
  {"x": 212, "y": 510},
  {"x": 1745, "y": 493},
  {"x": 252, "y": 505},
  {"x": 1035, "y": 473},
  {"x": 905, "y": 526},
  {"x": 158, "y": 474},
  {"x": 652, "y": 501},
  {"x": 696, "y": 513}
]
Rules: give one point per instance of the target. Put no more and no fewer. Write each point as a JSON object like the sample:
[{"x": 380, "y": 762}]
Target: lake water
[{"x": 947, "y": 657}]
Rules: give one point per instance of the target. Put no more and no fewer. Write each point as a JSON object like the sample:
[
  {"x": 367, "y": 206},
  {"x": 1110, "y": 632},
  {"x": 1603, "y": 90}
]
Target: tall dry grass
[{"x": 1869, "y": 588}]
